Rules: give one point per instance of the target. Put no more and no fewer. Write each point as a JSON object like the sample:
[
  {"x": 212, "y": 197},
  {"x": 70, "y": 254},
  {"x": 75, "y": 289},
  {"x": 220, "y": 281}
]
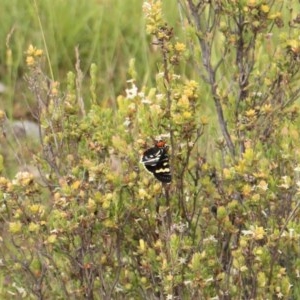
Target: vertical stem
[
  {"x": 169, "y": 215},
  {"x": 205, "y": 46},
  {"x": 44, "y": 39},
  {"x": 168, "y": 94},
  {"x": 167, "y": 83}
]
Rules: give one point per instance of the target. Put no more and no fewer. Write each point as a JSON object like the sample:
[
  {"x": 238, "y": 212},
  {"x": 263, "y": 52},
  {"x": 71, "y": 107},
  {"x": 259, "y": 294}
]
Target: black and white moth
[{"x": 156, "y": 161}]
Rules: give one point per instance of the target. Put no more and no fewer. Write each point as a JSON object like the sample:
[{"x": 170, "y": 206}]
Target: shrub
[{"x": 227, "y": 227}]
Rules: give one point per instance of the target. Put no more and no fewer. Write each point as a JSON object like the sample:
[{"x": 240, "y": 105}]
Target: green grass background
[{"x": 108, "y": 33}]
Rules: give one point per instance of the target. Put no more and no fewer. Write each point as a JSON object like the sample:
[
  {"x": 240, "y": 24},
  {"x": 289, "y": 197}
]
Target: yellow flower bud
[{"x": 15, "y": 227}]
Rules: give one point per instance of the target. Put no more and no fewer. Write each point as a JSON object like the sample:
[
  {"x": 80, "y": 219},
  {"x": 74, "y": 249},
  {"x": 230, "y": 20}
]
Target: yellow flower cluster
[
  {"x": 15, "y": 227},
  {"x": 180, "y": 47},
  {"x": 23, "y": 179},
  {"x": 183, "y": 111},
  {"x": 255, "y": 232},
  {"x": 294, "y": 45},
  {"x": 4, "y": 184},
  {"x": 54, "y": 88},
  {"x": 191, "y": 89},
  {"x": 31, "y": 54},
  {"x": 153, "y": 11}
]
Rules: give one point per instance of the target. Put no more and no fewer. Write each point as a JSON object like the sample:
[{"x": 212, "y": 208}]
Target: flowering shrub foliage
[{"x": 95, "y": 225}]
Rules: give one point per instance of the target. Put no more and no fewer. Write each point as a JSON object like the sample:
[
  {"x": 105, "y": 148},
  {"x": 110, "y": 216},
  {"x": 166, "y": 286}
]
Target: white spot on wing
[{"x": 166, "y": 170}]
